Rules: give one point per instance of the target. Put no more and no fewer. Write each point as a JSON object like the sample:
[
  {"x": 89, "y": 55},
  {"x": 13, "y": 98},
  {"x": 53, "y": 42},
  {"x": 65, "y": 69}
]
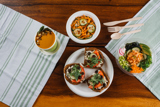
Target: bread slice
[
  {"x": 92, "y": 49},
  {"x": 67, "y": 78},
  {"x": 104, "y": 87}
]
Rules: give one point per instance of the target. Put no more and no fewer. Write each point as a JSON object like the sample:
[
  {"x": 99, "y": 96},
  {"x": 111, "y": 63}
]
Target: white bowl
[{"x": 80, "y": 13}]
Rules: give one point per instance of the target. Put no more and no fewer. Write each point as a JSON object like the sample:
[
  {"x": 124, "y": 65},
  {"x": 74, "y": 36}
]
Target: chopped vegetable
[
  {"x": 91, "y": 28},
  {"x": 125, "y": 65},
  {"x": 137, "y": 57},
  {"x": 83, "y": 22},
  {"x": 77, "y": 32},
  {"x": 75, "y": 72},
  {"x": 86, "y": 26},
  {"x": 136, "y": 69},
  {"x": 146, "y": 62}
]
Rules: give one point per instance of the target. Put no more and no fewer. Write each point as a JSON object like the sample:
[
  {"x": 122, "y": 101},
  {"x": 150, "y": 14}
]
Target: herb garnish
[
  {"x": 75, "y": 72},
  {"x": 94, "y": 61},
  {"x": 96, "y": 79},
  {"x": 146, "y": 63}
]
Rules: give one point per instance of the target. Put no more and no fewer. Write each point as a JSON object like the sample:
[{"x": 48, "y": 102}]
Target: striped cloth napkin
[
  {"x": 24, "y": 70},
  {"x": 150, "y": 33}
]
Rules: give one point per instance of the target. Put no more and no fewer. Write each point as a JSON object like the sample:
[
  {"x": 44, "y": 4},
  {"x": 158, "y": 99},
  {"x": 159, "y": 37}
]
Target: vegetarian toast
[
  {"x": 74, "y": 73},
  {"x": 93, "y": 58},
  {"x": 98, "y": 81}
]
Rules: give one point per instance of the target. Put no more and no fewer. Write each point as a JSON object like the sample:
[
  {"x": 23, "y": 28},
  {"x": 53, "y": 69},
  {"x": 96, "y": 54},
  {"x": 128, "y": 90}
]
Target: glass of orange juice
[{"x": 47, "y": 41}]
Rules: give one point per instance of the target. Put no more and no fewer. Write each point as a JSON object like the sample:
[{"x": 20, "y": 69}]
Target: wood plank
[
  {"x": 75, "y": 2},
  {"x": 56, "y": 17},
  {"x": 76, "y": 101}
]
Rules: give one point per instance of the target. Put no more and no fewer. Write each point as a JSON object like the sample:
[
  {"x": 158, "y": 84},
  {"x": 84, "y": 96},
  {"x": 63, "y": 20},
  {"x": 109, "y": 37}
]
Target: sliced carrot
[
  {"x": 97, "y": 53},
  {"x": 90, "y": 86},
  {"x": 97, "y": 85},
  {"x": 74, "y": 81},
  {"x": 100, "y": 73},
  {"x": 82, "y": 70}
]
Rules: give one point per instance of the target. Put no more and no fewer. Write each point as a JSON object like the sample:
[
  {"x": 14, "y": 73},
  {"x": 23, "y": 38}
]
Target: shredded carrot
[
  {"x": 136, "y": 69},
  {"x": 84, "y": 31}
]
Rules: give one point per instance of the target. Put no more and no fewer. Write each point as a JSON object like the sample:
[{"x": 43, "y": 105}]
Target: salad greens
[
  {"x": 75, "y": 72},
  {"x": 96, "y": 79},
  {"x": 94, "y": 61},
  {"x": 146, "y": 63}
]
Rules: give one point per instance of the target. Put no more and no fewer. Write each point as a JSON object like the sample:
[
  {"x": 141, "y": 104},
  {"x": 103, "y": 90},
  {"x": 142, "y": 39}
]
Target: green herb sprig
[
  {"x": 75, "y": 72},
  {"x": 94, "y": 61},
  {"x": 96, "y": 79}
]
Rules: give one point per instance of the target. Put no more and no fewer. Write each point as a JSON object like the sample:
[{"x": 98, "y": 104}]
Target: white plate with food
[
  {"x": 83, "y": 27},
  {"x": 82, "y": 89}
]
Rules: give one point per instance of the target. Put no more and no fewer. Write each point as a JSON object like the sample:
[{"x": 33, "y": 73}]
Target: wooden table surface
[{"x": 124, "y": 90}]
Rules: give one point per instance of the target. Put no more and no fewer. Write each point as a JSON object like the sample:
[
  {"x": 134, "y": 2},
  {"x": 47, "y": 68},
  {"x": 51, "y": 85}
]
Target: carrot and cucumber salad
[{"x": 83, "y": 27}]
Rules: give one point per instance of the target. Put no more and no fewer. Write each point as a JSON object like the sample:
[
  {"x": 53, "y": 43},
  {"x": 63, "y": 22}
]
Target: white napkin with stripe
[
  {"x": 150, "y": 33},
  {"x": 24, "y": 70}
]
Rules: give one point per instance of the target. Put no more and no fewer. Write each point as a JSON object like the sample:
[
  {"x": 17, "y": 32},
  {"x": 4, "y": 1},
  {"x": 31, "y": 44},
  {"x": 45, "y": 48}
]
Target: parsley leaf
[
  {"x": 75, "y": 72},
  {"x": 96, "y": 79},
  {"x": 94, "y": 61}
]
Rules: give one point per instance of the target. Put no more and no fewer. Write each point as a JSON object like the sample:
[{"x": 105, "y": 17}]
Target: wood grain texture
[{"x": 124, "y": 91}]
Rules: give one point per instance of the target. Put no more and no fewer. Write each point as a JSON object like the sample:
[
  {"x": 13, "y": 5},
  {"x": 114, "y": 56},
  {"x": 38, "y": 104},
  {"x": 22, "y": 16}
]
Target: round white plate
[
  {"x": 82, "y": 89},
  {"x": 80, "y": 13}
]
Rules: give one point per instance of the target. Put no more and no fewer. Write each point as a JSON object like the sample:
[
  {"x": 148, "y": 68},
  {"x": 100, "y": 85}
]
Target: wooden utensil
[
  {"x": 119, "y": 35},
  {"x": 117, "y": 22},
  {"x": 118, "y": 28}
]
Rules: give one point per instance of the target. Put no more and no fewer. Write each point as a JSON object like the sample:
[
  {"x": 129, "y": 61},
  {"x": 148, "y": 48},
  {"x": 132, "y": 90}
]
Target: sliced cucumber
[
  {"x": 136, "y": 49},
  {"x": 83, "y": 22},
  {"x": 91, "y": 28},
  {"x": 145, "y": 56},
  {"x": 128, "y": 51},
  {"x": 77, "y": 32},
  {"x": 93, "y": 54}
]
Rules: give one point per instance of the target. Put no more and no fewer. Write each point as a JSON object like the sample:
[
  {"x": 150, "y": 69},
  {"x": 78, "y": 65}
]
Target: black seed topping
[
  {"x": 78, "y": 67},
  {"x": 89, "y": 53},
  {"x": 93, "y": 56},
  {"x": 96, "y": 71},
  {"x": 101, "y": 76},
  {"x": 69, "y": 70},
  {"x": 104, "y": 84},
  {"x": 82, "y": 73},
  {"x": 79, "y": 77},
  {"x": 88, "y": 61}
]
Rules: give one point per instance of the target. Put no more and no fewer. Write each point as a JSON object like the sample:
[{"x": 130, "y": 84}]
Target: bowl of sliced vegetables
[
  {"x": 83, "y": 27},
  {"x": 135, "y": 57}
]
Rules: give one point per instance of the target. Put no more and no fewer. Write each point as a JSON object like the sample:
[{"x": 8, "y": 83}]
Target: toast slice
[
  {"x": 74, "y": 73},
  {"x": 93, "y": 58},
  {"x": 98, "y": 81}
]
